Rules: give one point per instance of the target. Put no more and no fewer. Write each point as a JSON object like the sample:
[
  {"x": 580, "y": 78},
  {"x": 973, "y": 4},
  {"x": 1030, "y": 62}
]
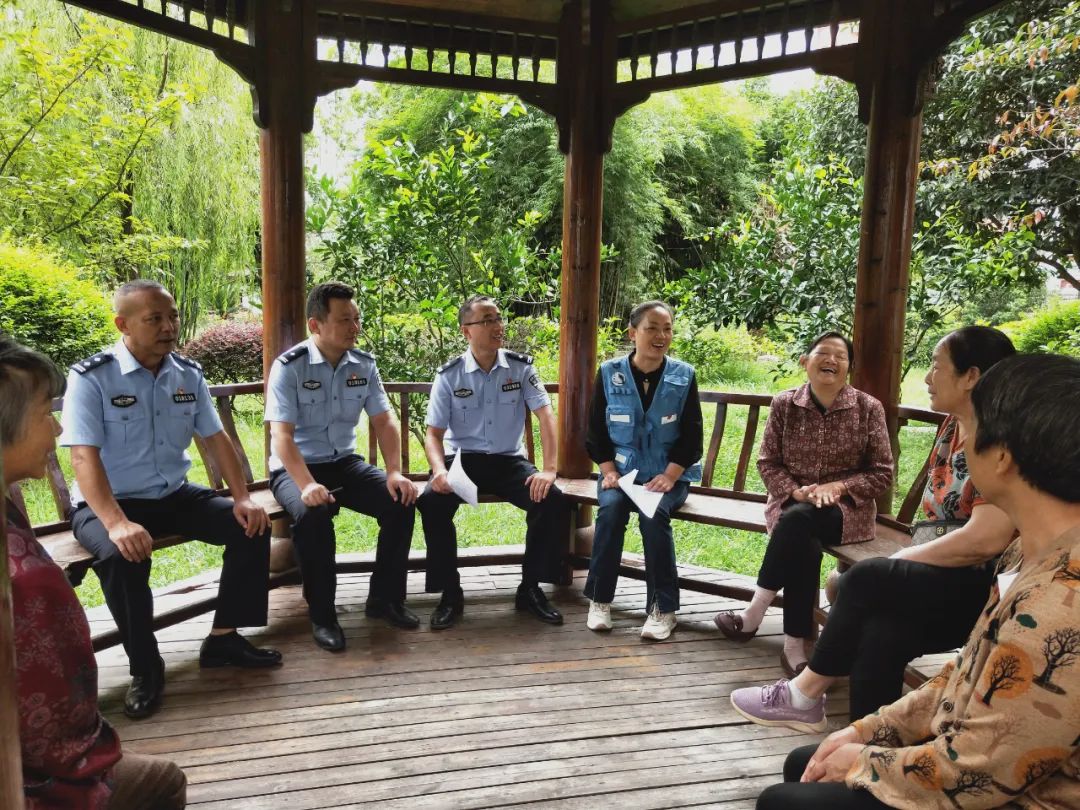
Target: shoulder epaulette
[
  {"x": 293, "y": 353},
  {"x": 91, "y": 363},
  {"x": 521, "y": 358},
  {"x": 451, "y": 364},
  {"x": 187, "y": 361},
  {"x": 362, "y": 353}
]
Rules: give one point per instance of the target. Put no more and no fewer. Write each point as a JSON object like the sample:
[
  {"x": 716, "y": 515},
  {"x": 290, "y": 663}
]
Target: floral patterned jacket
[
  {"x": 849, "y": 443},
  {"x": 999, "y": 726},
  {"x": 68, "y": 750}
]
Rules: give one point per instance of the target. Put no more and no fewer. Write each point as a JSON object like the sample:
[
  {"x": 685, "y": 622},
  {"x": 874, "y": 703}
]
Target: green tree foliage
[
  {"x": 790, "y": 263},
  {"x": 1003, "y": 132},
  {"x": 410, "y": 232},
  {"x": 128, "y": 154},
  {"x": 678, "y": 163},
  {"x": 45, "y": 304}
]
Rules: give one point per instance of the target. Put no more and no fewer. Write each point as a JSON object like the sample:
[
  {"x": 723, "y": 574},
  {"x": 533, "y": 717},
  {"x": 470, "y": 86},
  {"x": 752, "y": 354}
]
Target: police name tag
[
  {"x": 180, "y": 396},
  {"x": 356, "y": 382},
  {"x": 620, "y": 417},
  {"x": 667, "y": 420},
  {"x": 312, "y": 385},
  {"x": 512, "y": 386},
  {"x": 124, "y": 401},
  {"x": 461, "y": 393}
]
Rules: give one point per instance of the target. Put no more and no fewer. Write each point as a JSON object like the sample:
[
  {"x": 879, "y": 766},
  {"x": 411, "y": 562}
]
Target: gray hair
[
  {"x": 465, "y": 310},
  {"x": 25, "y": 375},
  {"x": 134, "y": 286}
]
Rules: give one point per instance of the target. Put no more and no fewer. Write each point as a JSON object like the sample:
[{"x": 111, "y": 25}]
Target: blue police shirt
[
  {"x": 141, "y": 423},
  {"x": 484, "y": 412},
  {"x": 323, "y": 403}
]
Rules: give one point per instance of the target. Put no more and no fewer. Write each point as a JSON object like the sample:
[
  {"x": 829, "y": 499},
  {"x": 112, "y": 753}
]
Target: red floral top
[
  {"x": 950, "y": 493},
  {"x": 849, "y": 443},
  {"x": 68, "y": 749}
]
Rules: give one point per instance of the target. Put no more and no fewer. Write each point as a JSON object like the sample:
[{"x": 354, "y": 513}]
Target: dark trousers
[
  {"x": 793, "y": 561},
  {"x": 363, "y": 489},
  {"x": 888, "y": 612},
  {"x": 548, "y": 522},
  {"x": 796, "y": 795},
  {"x": 194, "y": 512},
  {"x": 661, "y": 572}
]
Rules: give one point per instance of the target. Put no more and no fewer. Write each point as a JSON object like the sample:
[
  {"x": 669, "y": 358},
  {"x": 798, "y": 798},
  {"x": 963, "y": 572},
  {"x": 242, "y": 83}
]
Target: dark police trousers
[
  {"x": 548, "y": 522},
  {"x": 193, "y": 512},
  {"x": 363, "y": 489}
]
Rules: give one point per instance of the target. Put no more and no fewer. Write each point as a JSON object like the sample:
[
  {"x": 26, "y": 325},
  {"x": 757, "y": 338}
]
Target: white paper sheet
[
  {"x": 643, "y": 499},
  {"x": 462, "y": 485}
]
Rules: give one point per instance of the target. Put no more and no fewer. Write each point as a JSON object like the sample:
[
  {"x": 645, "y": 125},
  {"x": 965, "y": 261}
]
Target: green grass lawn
[{"x": 501, "y": 524}]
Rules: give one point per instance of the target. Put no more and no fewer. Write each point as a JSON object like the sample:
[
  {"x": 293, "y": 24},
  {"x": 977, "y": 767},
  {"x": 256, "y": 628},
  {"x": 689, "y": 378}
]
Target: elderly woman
[
  {"x": 645, "y": 417},
  {"x": 923, "y": 599},
  {"x": 824, "y": 459},
  {"x": 998, "y": 726},
  {"x": 70, "y": 756}
]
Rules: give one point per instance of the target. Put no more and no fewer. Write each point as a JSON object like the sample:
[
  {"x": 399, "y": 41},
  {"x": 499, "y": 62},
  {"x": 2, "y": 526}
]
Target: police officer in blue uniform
[
  {"x": 314, "y": 398},
  {"x": 129, "y": 416},
  {"x": 645, "y": 416},
  {"x": 477, "y": 405}
]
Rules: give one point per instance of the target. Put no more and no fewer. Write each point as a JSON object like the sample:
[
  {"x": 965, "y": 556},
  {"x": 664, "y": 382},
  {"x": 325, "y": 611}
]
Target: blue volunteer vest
[{"x": 643, "y": 440}]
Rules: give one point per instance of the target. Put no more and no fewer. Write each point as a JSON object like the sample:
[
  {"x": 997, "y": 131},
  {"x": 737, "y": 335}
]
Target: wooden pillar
[
  {"x": 586, "y": 76},
  {"x": 890, "y": 101},
  {"x": 583, "y": 71},
  {"x": 284, "y": 106},
  {"x": 11, "y": 794}
]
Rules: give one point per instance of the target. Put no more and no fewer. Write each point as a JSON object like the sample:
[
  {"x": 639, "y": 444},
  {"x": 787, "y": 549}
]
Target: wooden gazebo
[{"x": 584, "y": 62}]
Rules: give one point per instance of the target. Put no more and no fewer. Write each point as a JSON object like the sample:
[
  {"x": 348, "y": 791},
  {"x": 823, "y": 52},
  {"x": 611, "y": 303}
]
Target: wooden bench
[{"x": 731, "y": 507}]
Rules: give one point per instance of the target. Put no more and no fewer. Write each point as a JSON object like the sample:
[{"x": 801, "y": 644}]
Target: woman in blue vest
[{"x": 645, "y": 416}]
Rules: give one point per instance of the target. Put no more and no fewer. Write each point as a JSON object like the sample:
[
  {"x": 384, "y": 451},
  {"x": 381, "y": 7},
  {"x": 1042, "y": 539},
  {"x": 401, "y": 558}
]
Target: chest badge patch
[
  {"x": 618, "y": 378},
  {"x": 312, "y": 385},
  {"x": 461, "y": 393},
  {"x": 510, "y": 385},
  {"x": 355, "y": 382},
  {"x": 124, "y": 401},
  {"x": 182, "y": 396}
]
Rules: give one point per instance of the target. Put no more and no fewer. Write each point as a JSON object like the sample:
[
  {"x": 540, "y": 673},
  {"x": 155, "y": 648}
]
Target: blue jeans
[{"x": 661, "y": 574}]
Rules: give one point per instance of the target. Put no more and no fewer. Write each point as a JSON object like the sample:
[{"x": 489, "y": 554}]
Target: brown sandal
[
  {"x": 789, "y": 670},
  {"x": 730, "y": 624}
]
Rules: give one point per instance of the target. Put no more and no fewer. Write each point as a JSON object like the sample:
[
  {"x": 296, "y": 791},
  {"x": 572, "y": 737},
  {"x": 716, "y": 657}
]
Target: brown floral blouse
[{"x": 849, "y": 443}]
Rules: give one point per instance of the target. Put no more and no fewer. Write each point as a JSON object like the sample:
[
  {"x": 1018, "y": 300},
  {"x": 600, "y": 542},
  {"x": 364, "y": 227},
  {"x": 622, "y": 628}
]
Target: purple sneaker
[{"x": 771, "y": 706}]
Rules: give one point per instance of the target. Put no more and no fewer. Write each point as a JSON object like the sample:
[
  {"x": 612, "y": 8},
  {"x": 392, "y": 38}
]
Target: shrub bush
[
  {"x": 1052, "y": 330},
  {"x": 229, "y": 351},
  {"x": 724, "y": 355},
  {"x": 46, "y": 305}
]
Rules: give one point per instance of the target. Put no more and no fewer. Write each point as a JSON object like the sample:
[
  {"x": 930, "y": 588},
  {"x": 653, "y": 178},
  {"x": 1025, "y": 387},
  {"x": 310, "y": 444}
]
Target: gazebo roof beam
[{"x": 443, "y": 14}]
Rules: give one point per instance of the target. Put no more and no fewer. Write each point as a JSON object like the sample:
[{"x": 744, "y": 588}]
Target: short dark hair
[
  {"x": 136, "y": 285},
  {"x": 318, "y": 300},
  {"x": 839, "y": 336},
  {"x": 25, "y": 375},
  {"x": 1028, "y": 405},
  {"x": 977, "y": 347},
  {"x": 637, "y": 314},
  {"x": 465, "y": 310}
]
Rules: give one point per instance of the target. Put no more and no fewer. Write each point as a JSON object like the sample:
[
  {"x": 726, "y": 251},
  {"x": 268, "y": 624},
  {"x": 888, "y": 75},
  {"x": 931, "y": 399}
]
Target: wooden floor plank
[{"x": 498, "y": 711}]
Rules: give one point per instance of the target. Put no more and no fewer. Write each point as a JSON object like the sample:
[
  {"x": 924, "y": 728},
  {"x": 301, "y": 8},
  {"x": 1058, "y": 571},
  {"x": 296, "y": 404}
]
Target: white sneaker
[
  {"x": 599, "y": 616},
  {"x": 658, "y": 626}
]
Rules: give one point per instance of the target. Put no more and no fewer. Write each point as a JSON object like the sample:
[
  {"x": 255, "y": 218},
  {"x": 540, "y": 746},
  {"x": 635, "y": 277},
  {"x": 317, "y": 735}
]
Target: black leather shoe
[
  {"x": 144, "y": 695},
  {"x": 533, "y": 599},
  {"x": 233, "y": 650},
  {"x": 446, "y": 613},
  {"x": 329, "y": 636},
  {"x": 395, "y": 613}
]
